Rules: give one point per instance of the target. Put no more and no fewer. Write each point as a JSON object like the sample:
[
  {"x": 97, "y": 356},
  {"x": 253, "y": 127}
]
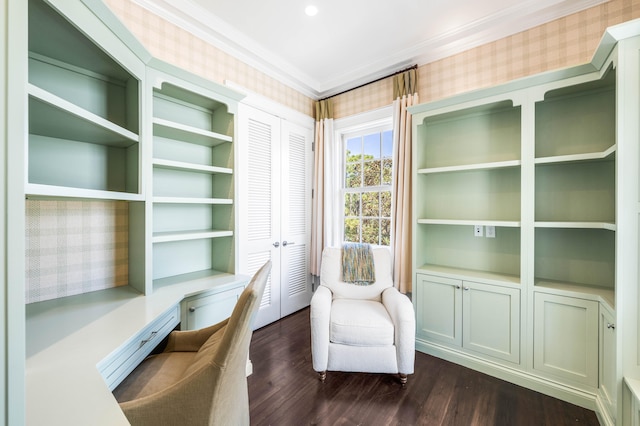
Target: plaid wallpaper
[
  {"x": 179, "y": 47},
  {"x": 75, "y": 247}
]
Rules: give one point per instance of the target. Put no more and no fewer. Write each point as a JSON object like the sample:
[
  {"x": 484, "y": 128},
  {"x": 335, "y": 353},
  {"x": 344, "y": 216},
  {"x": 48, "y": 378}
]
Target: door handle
[
  {"x": 286, "y": 243},
  {"x": 277, "y": 244}
]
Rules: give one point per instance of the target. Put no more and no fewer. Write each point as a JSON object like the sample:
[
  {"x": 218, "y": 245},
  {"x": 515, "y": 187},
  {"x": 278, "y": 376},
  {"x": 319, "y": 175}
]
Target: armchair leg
[
  {"x": 322, "y": 375},
  {"x": 403, "y": 379}
]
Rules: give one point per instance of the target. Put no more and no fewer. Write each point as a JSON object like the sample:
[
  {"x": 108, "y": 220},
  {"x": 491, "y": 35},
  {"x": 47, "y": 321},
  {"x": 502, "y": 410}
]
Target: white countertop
[
  {"x": 634, "y": 387},
  {"x": 67, "y": 338}
]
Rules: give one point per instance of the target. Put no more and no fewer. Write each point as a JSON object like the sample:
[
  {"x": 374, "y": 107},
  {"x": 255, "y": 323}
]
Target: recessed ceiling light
[{"x": 311, "y": 10}]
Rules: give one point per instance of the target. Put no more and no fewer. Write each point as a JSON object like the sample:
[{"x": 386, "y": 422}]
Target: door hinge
[{"x": 313, "y": 146}]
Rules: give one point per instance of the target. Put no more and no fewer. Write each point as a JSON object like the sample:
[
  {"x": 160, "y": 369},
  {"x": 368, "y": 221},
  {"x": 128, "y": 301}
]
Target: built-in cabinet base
[
  {"x": 478, "y": 318},
  {"x": 525, "y": 207}
]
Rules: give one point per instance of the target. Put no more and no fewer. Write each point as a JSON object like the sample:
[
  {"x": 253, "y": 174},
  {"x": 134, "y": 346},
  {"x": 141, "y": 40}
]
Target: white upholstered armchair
[{"x": 361, "y": 328}]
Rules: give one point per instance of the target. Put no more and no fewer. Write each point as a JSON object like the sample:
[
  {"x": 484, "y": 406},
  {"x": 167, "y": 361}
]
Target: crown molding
[{"x": 520, "y": 17}]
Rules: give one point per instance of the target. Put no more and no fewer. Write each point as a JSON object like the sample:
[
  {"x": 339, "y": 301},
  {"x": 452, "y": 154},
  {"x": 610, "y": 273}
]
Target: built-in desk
[{"x": 72, "y": 342}]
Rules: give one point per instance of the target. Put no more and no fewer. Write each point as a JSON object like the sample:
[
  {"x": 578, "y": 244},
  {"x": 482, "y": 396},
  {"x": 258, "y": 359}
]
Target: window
[{"x": 366, "y": 189}]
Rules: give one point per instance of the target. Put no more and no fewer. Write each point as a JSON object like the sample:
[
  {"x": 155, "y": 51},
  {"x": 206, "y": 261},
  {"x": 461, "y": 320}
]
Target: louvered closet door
[
  {"x": 259, "y": 214},
  {"x": 295, "y": 288}
]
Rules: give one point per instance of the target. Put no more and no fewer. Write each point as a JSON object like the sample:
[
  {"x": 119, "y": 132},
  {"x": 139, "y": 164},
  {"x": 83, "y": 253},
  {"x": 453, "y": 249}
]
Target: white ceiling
[{"x": 351, "y": 42}]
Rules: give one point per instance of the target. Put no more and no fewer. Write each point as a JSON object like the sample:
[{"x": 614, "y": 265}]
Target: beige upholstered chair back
[
  {"x": 331, "y": 275},
  {"x": 230, "y": 357},
  {"x": 212, "y": 389}
]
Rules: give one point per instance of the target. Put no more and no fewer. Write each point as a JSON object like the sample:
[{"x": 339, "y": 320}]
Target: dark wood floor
[{"x": 284, "y": 390}]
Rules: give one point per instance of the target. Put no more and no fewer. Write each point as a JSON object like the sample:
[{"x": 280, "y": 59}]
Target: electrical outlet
[
  {"x": 490, "y": 232},
  {"x": 477, "y": 230}
]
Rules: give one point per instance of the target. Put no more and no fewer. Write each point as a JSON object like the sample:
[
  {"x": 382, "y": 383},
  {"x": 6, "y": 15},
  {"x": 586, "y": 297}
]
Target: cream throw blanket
[{"x": 357, "y": 264}]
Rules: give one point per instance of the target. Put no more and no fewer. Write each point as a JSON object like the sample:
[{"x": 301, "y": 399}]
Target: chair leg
[
  {"x": 322, "y": 375},
  {"x": 403, "y": 379}
]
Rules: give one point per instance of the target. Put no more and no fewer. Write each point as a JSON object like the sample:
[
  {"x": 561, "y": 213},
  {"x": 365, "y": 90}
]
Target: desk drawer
[
  {"x": 115, "y": 367},
  {"x": 209, "y": 308}
]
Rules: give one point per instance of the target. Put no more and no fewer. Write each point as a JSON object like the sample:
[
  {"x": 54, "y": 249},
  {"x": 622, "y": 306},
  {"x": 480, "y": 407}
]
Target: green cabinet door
[
  {"x": 439, "y": 309},
  {"x": 491, "y": 320},
  {"x": 566, "y": 339},
  {"x": 481, "y": 318}
]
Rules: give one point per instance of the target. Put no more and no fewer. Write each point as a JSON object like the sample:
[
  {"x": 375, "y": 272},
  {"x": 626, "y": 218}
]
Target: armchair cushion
[{"x": 360, "y": 323}]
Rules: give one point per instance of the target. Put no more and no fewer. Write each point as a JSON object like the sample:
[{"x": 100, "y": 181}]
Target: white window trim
[{"x": 352, "y": 125}]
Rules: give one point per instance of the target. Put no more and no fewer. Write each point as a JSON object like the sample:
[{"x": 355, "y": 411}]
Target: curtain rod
[{"x": 412, "y": 67}]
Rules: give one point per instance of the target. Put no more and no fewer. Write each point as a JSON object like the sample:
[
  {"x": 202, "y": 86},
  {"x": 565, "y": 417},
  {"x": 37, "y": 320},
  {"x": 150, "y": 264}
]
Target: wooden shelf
[
  {"x": 476, "y": 138},
  {"x": 52, "y": 116},
  {"x": 469, "y": 274},
  {"x": 38, "y": 191},
  {"x": 164, "y": 237},
  {"x": 172, "y": 130},
  {"x": 190, "y": 167},
  {"x": 502, "y": 223},
  {"x": 597, "y": 293},
  {"x": 577, "y": 225},
  {"x": 577, "y": 122},
  {"x": 181, "y": 200},
  {"x": 53, "y": 35},
  {"x": 192, "y": 181},
  {"x": 466, "y": 167},
  {"x": 191, "y": 276},
  {"x": 193, "y": 95},
  {"x": 606, "y": 155},
  {"x": 577, "y": 194}
]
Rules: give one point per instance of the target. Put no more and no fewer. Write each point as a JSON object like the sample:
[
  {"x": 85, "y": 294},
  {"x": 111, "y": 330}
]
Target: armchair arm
[
  {"x": 191, "y": 340},
  {"x": 400, "y": 310},
  {"x": 320, "y": 316}
]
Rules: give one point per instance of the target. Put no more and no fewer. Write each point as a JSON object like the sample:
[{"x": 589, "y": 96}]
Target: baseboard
[
  {"x": 569, "y": 394},
  {"x": 604, "y": 415}
]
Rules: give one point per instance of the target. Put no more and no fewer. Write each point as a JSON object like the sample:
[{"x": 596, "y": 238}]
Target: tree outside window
[{"x": 367, "y": 188}]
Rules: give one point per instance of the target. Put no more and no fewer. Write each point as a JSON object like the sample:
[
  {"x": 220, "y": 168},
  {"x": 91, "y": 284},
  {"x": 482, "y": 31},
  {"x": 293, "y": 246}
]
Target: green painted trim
[
  {"x": 504, "y": 89},
  {"x": 222, "y": 91}
]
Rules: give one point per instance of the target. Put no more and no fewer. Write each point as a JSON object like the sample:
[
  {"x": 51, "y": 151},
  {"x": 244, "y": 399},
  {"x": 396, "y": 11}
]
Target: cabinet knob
[
  {"x": 458, "y": 287},
  {"x": 466, "y": 289},
  {"x": 611, "y": 326},
  {"x": 192, "y": 309},
  {"x": 276, "y": 244},
  {"x": 285, "y": 243}
]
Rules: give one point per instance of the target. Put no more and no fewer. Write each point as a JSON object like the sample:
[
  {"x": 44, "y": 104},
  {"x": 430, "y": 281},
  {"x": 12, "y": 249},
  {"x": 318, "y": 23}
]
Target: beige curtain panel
[
  {"x": 404, "y": 92},
  {"x": 324, "y": 117}
]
